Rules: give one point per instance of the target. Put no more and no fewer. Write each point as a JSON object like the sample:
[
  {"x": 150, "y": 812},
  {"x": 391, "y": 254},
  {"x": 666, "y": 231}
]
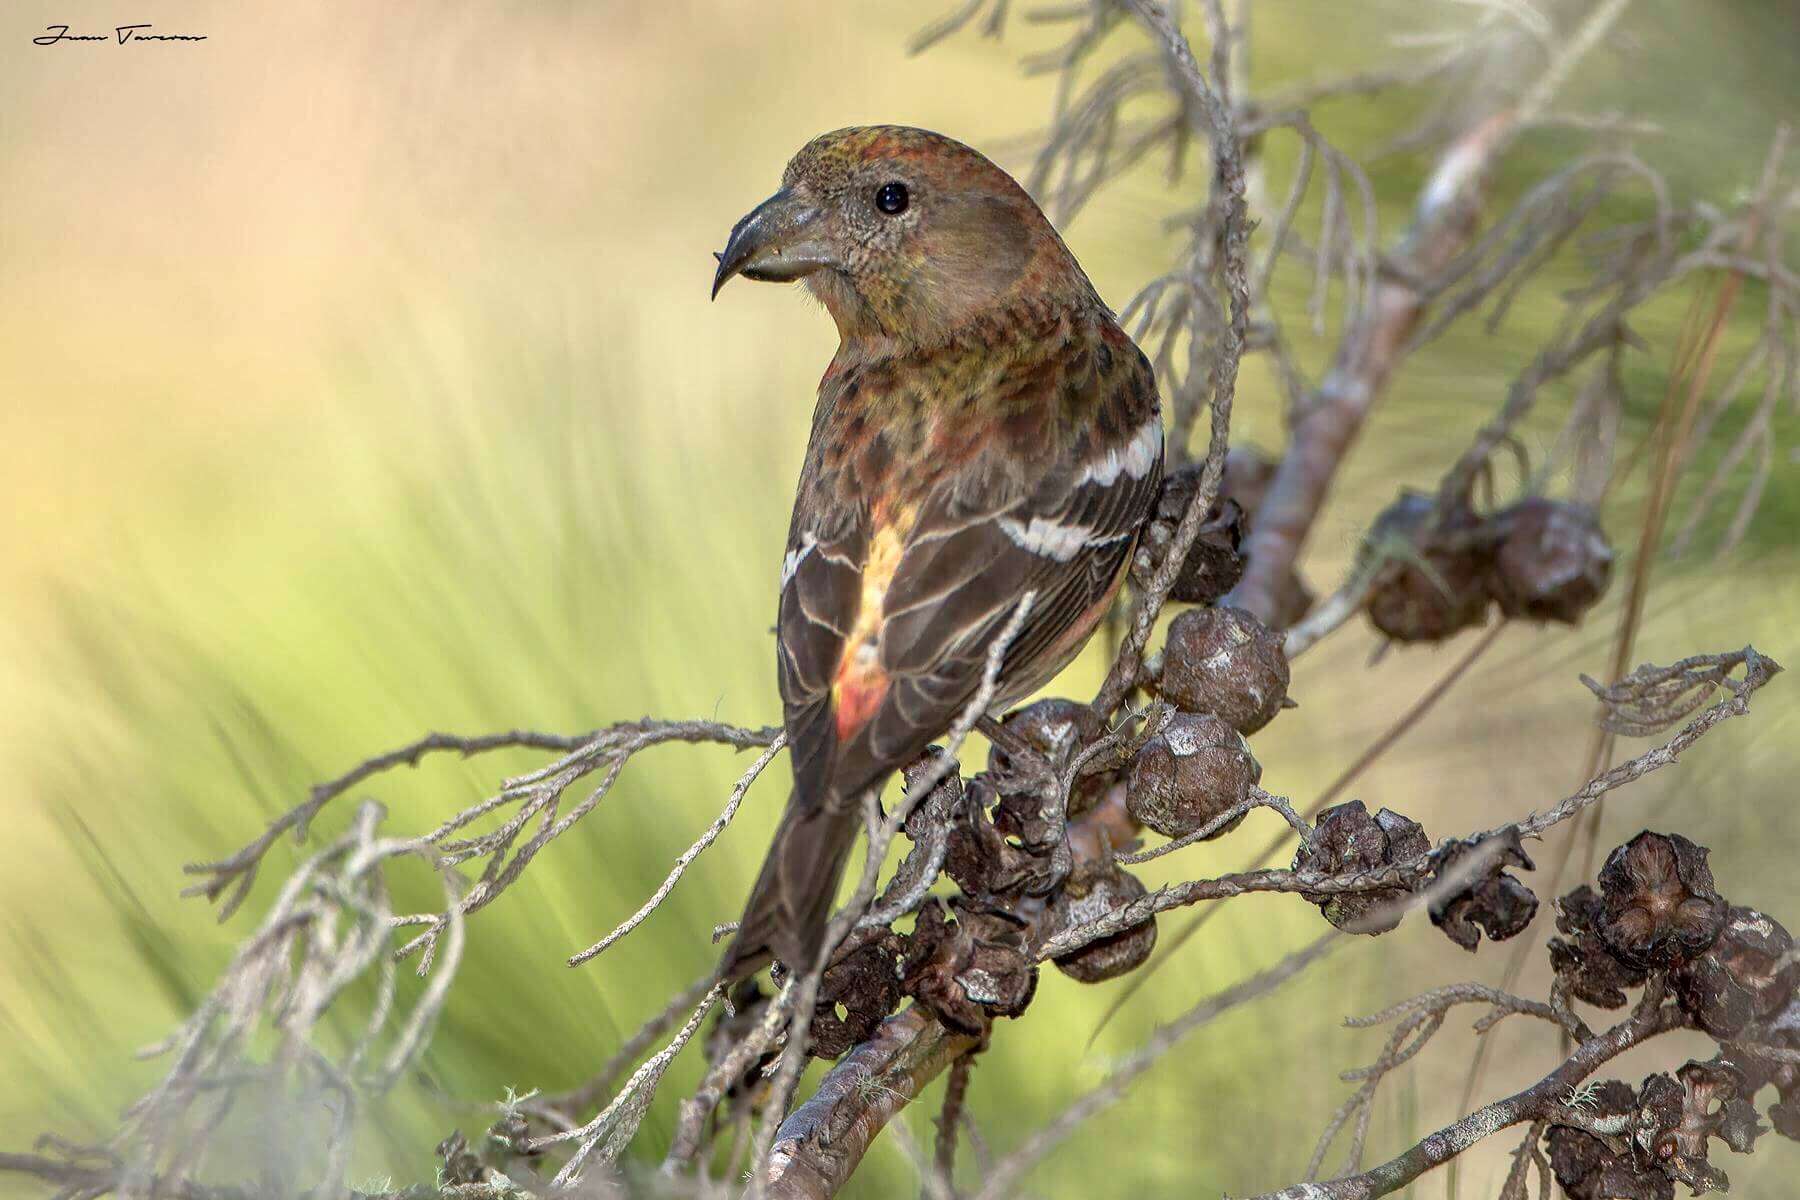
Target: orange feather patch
[{"x": 860, "y": 684}]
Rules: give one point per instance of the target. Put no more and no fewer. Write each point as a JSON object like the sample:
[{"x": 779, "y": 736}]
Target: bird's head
[{"x": 903, "y": 234}]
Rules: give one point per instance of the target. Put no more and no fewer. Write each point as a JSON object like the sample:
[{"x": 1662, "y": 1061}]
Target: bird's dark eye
[{"x": 891, "y": 198}]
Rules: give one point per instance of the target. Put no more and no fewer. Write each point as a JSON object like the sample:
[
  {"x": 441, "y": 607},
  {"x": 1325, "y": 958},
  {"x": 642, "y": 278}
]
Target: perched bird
[{"x": 985, "y": 430}]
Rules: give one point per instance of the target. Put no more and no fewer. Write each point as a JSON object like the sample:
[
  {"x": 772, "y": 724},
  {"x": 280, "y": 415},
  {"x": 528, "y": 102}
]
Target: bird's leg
[
  {"x": 1023, "y": 757},
  {"x": 1002, "y": 737}
]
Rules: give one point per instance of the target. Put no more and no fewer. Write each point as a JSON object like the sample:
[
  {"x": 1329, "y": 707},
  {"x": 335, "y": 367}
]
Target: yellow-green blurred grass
[{"x": 427, "y": 424}]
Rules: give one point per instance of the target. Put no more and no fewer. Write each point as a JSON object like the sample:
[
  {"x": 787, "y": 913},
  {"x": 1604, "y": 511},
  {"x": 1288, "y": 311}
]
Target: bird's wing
[
  {"x": 1066, "y": 543},
  {"x": 886, "y": 618},
  {"x": 821, "y": 593}
]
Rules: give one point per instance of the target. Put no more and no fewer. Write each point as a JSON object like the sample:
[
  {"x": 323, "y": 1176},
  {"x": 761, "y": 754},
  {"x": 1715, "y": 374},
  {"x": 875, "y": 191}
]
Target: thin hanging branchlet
[
  {"x": 1001, "y": 1180},
  {"x": 688, "y": 856},
  {"x": 696, "y": 1111},
  {"x": 325, "y": 932},
  {"x": 614, "y": 1126},
  {"x": 559, "y": 1110},
  {"x": 1234, "y": 276},
  {"x": 1416, "y": 1021},
  {"x": 1652, "y": 698}
]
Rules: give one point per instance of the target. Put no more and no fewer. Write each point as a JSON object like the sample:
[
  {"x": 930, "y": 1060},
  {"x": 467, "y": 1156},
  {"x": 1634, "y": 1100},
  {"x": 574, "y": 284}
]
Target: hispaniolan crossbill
[{"x": 985, "y": 430}]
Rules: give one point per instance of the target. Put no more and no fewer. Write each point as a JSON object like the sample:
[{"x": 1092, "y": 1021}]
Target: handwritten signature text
[{"x": 119, "y": 36}]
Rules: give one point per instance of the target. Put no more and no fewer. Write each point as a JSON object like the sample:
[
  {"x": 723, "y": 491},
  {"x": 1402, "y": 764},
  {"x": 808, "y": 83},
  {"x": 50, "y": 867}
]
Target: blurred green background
[{"x": 357, "y": 379}]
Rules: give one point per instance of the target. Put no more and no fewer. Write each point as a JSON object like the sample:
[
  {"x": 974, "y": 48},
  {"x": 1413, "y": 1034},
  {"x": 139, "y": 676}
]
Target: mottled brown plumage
[{"x": 984, "y": 431}]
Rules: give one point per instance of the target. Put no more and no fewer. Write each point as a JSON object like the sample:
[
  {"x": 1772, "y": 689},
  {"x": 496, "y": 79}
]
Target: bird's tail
[{"x": 791, "y": 902}]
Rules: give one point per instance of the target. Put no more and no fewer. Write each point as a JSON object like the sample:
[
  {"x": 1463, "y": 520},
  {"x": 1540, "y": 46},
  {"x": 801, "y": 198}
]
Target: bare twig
[
  {"x": 1443, "y": 224},
  {"x": 1002, "y": 1179},
  {"x": 688, "y": 856},
  {"x": 690, "y": 1127},
  {"x": 950, "y": 1116},
  {"x": 806, "y": 988},
  {"x": 1540, "y": 1101},
  {"x": 240, "y": 868},
  {"x": 1229, "y": 170},
  {"x": 1416, "y": 1021},
  {"x": 590, "y": 1093},
  {"x": 1758, "y": 671},
  {"x": 613, "y": 1127}
]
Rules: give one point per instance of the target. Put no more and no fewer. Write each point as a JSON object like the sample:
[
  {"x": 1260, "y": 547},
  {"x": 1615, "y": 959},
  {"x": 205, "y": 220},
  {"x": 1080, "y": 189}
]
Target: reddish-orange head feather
[{"x": 905, "y": 234}]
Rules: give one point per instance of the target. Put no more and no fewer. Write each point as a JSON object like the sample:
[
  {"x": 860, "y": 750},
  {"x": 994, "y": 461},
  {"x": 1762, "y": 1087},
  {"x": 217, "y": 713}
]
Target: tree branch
[
  {"x": 1541, "y": 1101},
  {"x": 1444, "y": 221}
]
